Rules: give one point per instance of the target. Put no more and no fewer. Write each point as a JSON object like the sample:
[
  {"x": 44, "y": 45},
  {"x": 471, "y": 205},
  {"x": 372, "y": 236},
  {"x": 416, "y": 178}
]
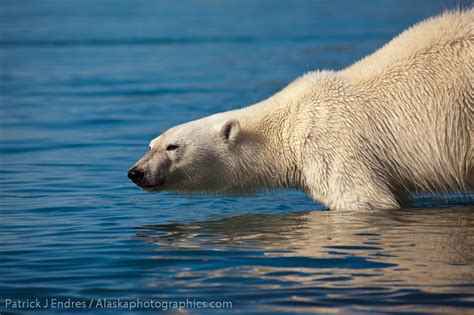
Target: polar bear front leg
[{"x": 349, "y": 189}]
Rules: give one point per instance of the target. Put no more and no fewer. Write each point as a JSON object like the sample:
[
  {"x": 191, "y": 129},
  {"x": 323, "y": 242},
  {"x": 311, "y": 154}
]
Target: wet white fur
[{"x": 399, "y": 120}]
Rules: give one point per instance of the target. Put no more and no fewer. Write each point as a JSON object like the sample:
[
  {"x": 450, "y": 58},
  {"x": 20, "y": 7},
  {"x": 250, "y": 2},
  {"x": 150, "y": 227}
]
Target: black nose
[{"x": 135, "y": 175}]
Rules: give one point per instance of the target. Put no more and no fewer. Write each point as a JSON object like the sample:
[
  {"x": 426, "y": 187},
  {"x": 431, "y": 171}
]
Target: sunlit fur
[{"x": 399, "y": 120}]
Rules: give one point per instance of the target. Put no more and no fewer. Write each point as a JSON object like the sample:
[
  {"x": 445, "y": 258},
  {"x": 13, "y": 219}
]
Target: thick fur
[{"x": 397, "y": 121}]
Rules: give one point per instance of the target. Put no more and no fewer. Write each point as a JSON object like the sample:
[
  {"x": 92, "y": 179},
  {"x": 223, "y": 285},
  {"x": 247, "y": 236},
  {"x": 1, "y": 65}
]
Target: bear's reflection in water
[{"x": 382, "y": 257}]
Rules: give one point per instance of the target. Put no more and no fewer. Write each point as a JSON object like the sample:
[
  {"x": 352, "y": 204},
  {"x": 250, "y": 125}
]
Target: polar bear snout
[
  {"x": 136, "y": 175},
  {"x": 145, "y": 179},
  {"x": 151, "y": 172}
]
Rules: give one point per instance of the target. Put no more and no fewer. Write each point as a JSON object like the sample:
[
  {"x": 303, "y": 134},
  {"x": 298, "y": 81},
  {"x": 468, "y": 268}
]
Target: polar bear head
[{"x": 201, "y": 156}]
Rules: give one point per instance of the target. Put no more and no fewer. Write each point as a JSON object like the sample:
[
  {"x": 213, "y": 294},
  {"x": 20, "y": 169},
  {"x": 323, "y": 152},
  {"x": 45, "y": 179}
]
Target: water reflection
[{"x": 383, "y": 258}]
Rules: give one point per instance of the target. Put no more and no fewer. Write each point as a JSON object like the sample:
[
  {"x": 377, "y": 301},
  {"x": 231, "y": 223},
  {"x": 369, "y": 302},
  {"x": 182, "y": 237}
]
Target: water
[{"x": 86, "y": 84}]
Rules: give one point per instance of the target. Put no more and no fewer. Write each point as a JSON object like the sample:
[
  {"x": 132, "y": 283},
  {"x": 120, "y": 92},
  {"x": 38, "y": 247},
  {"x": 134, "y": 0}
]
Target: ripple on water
[{"x": 86, "y": 84}]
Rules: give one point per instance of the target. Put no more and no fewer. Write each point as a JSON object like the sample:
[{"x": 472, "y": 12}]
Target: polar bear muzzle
[
  {"x": 135, "y": 175},
  {"x": 151, "y": 182}
]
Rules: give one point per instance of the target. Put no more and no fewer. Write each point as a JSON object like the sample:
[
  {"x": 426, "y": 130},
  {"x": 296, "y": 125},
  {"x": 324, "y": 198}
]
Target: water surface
[{"x": 84, "y": 85}]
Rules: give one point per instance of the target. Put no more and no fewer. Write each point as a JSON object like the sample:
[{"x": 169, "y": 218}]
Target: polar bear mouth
[{"x": 158, "y": 186}]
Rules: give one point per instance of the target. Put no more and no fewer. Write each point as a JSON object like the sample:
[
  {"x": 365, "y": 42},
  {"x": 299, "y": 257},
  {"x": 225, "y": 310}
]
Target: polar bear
[{"x": 397, "y": 121}]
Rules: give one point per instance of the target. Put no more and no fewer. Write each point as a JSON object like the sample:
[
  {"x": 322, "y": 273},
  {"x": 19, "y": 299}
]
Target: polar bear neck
[{"x": 271, "y": 125}]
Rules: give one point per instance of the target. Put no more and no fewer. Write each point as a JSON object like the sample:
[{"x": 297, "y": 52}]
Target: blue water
[{"x": 86, "y": 84}]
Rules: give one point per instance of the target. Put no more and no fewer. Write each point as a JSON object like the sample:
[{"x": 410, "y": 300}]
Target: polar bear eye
[{"x": 171, "y": 147}]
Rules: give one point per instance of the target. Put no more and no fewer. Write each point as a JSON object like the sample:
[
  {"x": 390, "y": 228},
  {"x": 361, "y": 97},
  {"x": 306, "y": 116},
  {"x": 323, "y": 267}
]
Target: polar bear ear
[{"x": 230, "y": 130}]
